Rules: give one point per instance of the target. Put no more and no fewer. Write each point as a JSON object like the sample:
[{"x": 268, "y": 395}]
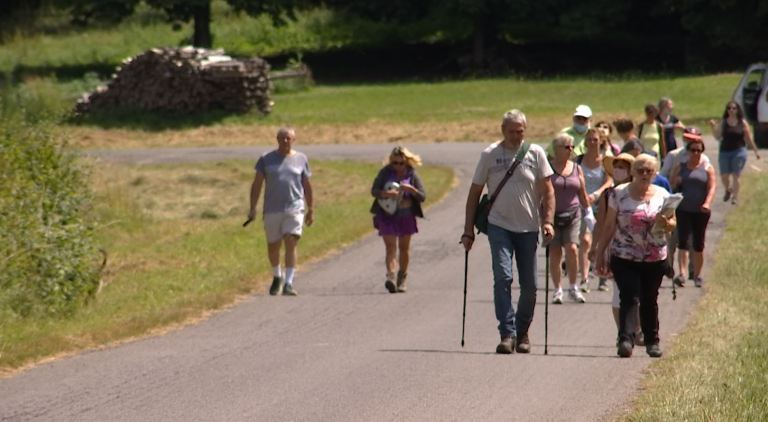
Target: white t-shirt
[
  {"x": 517, "y": 207},
  {"x": 675, "y": 157}
]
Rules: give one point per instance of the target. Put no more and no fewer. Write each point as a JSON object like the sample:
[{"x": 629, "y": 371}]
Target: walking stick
[
  {"x": 464, "y": 312},
  {"x": 546, "y": 296}
]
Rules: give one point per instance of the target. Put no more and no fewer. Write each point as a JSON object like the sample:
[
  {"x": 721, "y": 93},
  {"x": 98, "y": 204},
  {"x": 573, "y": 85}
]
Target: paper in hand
[{"x": 668, "y": 208}]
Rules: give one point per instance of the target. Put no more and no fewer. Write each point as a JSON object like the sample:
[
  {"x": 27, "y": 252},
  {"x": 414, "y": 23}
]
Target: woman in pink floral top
[{"x": 637, "y": 254}]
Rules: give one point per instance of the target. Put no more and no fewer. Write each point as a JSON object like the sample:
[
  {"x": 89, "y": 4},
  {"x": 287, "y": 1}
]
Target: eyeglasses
[
  {"x": 398, "y": 163},
  {"x": 644, "y": 171},
  {"x": 696, "y": 150}
]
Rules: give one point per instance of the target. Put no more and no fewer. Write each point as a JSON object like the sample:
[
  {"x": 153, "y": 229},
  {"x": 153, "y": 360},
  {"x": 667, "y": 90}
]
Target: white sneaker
[
  {"x": 557, "y": 298},
  {"x": 576, "y": 295}
]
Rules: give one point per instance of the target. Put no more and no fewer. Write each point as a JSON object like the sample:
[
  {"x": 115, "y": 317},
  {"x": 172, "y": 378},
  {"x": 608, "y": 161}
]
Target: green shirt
[{"x": 578, "y": 142}]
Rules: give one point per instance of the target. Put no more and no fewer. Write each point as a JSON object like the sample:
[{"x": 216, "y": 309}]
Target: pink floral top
[{"x": 633, "y": 239}]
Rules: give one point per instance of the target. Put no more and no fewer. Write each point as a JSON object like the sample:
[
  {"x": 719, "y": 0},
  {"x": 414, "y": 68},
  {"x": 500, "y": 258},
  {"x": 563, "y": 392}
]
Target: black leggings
[
  {"x": 638, "y": 280},
  {"x": 691, "y": 224}
]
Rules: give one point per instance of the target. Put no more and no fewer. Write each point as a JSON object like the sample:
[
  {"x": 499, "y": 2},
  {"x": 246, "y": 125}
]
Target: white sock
[
  {"x": 559, "y": 289},
  {"x": 276, "y": 272},
  {"x": 289, "y": 275}
]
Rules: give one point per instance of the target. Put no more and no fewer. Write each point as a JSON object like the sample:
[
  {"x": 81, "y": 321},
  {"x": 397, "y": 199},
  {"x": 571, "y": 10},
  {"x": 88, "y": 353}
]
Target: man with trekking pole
[{"x": 518, "y": 177}]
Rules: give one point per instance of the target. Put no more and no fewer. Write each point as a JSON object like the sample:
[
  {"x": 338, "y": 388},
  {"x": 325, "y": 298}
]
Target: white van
[{"x": 752, "y": 95}]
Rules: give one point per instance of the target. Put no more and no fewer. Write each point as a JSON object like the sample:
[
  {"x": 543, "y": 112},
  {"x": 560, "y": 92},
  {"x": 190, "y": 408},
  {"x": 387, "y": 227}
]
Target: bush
[{"x": 48, "y": 261}]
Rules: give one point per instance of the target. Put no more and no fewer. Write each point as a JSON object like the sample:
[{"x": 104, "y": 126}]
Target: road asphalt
[{"x": 346, "y": 350}]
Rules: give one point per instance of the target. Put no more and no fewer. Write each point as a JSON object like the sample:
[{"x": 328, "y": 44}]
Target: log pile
[{"x": 184, "y": 80}]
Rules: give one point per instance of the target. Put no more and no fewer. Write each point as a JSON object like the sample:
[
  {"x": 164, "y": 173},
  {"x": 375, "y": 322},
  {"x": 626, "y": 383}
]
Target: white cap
[{"x": 583, "y": 111}]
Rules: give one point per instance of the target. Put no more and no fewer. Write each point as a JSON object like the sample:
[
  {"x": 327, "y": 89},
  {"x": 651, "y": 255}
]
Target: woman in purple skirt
[{"x": 400, "y": 185}]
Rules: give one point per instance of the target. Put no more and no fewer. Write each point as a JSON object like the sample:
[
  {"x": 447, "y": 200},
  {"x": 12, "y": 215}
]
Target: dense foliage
[{"x": 49, "y": 265}]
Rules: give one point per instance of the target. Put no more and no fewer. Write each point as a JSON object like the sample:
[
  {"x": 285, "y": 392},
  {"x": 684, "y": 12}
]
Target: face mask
[
  {"x": 580, "y": 128},
  {"x": 619, "y": 175}
]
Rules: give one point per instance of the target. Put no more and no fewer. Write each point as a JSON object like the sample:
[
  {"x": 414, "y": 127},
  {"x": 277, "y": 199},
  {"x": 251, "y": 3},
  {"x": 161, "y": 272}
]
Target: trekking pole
[
  {"x": 546, "y": 295},
  {"x": 464, "y": 311}
]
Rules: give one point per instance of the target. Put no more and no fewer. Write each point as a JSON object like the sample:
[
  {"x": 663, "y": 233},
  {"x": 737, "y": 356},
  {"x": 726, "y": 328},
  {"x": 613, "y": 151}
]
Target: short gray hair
[
  {"x": 284, "y": 130},
  {"x": 561, "y": 139},
  {"x": 514, "y": 115}
]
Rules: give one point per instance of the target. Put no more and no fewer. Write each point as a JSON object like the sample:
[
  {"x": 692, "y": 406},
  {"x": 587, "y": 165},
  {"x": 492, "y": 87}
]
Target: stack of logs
[{"x": 184, "y": 80}]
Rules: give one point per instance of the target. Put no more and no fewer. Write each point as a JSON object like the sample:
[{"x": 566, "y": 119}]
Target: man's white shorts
[{"x": 278, "y": 224}]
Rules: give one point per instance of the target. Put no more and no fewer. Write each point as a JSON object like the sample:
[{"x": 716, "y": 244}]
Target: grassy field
[
  {"x": 718, "y": 367},
  {"x": 414, "y": 112},
  {"x": 177, "y": 248}
]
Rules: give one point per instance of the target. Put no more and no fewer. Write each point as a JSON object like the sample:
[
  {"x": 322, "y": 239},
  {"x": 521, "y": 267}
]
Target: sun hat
[
  {"x": 692, "y": 132},
  {"x": 583, "y": 111},
  {"x": 608, "y": 162}
]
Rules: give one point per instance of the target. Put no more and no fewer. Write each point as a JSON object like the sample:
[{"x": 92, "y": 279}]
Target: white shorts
[{"x": 278, "y": 224}]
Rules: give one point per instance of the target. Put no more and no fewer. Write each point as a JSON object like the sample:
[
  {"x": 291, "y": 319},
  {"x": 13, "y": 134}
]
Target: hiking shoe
[
  {"x": 679, "y": 281},
  {"x": 557, "y": 298},
  {"x": 727, "y": 195},
  {"x": 584, "y": 286},
  {"x": 401, "y": 281},
  {"x": 639, "y": 338},
  {"x": 288, "y": 290},
  {"x": 698, "y": 281},
  {"x": 523, "y": 344},
  {"x": 277, "y": 286},
  {"x": 603, "y": 285},
  {"x": 625, "y": 349},
  {"x": 576, "y": 296},
  {"x": 390, "y": 283},
  {"x": 505, "y": 347},
  {"x": 653, "y": 350}
]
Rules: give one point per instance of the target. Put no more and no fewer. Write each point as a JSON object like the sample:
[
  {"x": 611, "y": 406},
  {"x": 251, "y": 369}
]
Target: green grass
[
  {"x": 717, "y": 369},
  {"x": 696, "y": 98},
  {"x": 177, "y": 248},
  {"x": 237, "y": 33}
]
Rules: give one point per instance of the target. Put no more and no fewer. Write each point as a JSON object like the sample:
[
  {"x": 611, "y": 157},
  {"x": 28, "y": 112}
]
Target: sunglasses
[
  {"x": 696, "y": 150},
  {"x": 568, "y": 147},
  {"x": 398, "y": 163},
  {"x": 644, "y": 171}
]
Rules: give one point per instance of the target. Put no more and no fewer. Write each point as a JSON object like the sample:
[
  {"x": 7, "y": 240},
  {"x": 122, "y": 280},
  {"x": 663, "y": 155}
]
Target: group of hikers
[{"x": 598, "y": 205}]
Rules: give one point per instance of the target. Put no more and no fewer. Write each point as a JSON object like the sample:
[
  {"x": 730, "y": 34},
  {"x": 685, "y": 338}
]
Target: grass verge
[
  {"x": 718, "y": 367},
  {"x": 178, "y": 251},
  {"x": 412, "y": 112}
]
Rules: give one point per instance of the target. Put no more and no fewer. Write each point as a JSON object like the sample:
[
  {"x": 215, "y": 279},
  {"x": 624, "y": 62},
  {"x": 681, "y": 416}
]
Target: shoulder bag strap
[{"x": 521, "y": 153}]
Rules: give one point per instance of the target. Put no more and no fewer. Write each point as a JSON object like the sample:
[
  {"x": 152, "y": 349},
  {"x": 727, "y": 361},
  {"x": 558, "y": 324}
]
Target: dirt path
[{"x": 345, "y": 350}]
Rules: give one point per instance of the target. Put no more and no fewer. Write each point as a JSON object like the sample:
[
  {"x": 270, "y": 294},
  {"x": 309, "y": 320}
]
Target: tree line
[{"x": 710, "y": 31}]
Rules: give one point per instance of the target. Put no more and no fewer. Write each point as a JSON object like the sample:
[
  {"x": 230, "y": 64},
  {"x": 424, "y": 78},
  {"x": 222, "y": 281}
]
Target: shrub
[{"x": 48, "y": 260}]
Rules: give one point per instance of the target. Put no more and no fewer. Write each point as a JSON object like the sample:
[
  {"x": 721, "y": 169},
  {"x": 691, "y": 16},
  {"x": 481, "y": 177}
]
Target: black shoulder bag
[{"x": 485, "y": 204}]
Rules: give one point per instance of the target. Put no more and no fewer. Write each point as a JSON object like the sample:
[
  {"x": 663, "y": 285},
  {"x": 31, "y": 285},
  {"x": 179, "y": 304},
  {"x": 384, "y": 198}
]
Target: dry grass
[{"x": 375, "y": 131}]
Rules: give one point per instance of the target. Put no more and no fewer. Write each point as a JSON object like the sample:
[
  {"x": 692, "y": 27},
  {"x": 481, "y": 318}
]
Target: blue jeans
[
  {"x": 732, "y": 162},
  {"x": 504, "y": 245}
]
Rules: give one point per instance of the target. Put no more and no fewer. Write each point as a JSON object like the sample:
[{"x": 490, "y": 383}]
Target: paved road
[{"x": 345, "y": 350}]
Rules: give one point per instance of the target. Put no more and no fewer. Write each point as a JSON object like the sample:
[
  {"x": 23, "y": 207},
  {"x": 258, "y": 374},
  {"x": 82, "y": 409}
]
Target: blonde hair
[
  {"x": 410, "y": 158},
  {"x": 643, "y": 159}
]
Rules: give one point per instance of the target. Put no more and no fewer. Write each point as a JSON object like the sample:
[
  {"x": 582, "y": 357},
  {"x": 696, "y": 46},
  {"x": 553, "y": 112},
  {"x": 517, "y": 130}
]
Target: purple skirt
[{"x": 403, "y": 223}]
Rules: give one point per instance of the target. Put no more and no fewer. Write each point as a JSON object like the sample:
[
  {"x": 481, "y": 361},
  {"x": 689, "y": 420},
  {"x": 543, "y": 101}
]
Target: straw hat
[{"x": 609, "y": 160}]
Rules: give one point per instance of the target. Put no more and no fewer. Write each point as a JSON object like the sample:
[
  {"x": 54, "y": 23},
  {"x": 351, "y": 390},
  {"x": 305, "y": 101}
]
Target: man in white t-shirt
[{"x": 525, "y": 204}]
